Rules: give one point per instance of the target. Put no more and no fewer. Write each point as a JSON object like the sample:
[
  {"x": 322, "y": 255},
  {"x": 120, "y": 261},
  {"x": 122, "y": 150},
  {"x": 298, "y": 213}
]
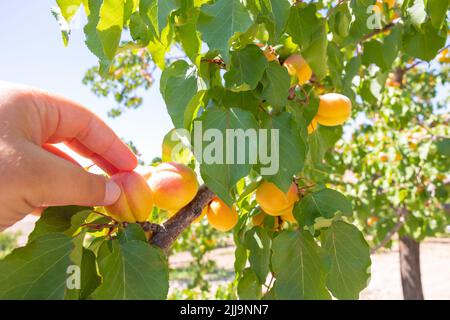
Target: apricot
[
  {"x": 135, "y": 204},
  {"x": 174, "y": 185},
  {"x": 312, "y": 126},
  {"x": 444, "y": 56},
  {"x": 384, "y": 157},
  {"x": 220, "y": 216},
  {"x": 372, "y": 220},
  {"x": 273, "y": 201},
  {"x": 334, "y": 109},
  {"x": 380, "y": 4},
  {"x": 298, "y": 67},
  {"x": 258, "y": 219},
  {"x": 289, "y": 216}
]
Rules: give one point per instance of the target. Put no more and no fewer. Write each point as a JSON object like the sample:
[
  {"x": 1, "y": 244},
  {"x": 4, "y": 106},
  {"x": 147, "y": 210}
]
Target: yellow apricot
[
  {"x": 444, "y": 56},
  {"x": 220, "y": 216},
  {"x": 174, "y": 185},
  {"x": 334, "y": 109},
  {"x": 384, "y": 157},
  {"x": 289, "y": 216},
  {"x": 135, "y": 203},
  {"x": 273, "y": 201},
  {"x": 297, "y": 66},
  {"x": 312, "y": 126},
  {"x": 380, "y": 4},
  {"x": 372, "y": 220}
]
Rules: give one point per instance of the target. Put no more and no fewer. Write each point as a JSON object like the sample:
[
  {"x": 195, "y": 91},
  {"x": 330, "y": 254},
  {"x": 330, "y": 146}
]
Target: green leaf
[
  {"x": 297, "y": 266},
  {"x": 248, "y": 287},
  {"x": 68, "y": 8},
  {"x": 133, "y": 270},
  {"x": 321, "y": 140},
  {"x": 424, "y": 44},
  {"x": 132, "y": 232},
  {"x": 258, "y": 242},
  {"x": 139, "y": 30},
  {"x": 224, "y": 158},
  {"x": 63, "y": 25},
  {"x": 65, "y": 220},
  {"x": 38, "y": 270},
  {"x": 324, "y": 203},
  {"x": 438, "y": 10},
  {"x": 292, "y": 150},
  {"x": 246, "y": 69},
  {"x": 240, "y": 258},
  {"x": 178, "y": 85},
  {"x": 348, "y": 256},
  {"x": 220, "y": 21},
  {"x": 109, "y": 27},
  {"x": 276, "y": 82},
  {"x": 275, "y": 14},
  {"x": 189, "y": 38}
]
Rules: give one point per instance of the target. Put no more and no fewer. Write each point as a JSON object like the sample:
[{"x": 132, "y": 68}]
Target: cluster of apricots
[
  {"x": 334, "y": 108},
  {"x": 170, "y": 186}
]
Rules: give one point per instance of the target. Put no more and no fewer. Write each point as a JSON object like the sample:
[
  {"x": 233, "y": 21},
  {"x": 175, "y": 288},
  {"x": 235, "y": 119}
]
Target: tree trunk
[{"x": 410, "y": 269}]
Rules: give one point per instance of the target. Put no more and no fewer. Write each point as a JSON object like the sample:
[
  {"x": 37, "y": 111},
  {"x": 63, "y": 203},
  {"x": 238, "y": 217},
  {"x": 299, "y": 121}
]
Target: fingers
[
  {"x": 65, "y": 120},
  {"x": 57, "y": 182}
]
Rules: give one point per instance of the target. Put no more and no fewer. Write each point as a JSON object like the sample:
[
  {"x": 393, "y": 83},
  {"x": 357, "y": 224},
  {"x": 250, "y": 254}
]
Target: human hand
[{"x": 30, "y": 176}]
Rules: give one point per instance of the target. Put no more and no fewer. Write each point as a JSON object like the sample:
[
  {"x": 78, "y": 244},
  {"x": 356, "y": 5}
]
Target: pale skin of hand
[{"x": 31, "y": 177}]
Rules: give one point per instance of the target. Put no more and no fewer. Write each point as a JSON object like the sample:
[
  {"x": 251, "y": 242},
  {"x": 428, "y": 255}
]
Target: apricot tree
[{"x": 260, "y": 94}]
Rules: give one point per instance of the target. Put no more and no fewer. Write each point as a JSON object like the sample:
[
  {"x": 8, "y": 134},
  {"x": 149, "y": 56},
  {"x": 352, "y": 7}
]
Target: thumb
[{"x": 58, "y": 182}]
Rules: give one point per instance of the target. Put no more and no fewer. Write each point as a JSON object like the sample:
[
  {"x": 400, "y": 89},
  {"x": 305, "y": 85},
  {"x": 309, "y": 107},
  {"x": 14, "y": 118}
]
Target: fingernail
[{"x": 112, "y": 192}]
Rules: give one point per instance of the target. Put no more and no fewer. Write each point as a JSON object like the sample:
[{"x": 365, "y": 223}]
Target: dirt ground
[{"x": 385, "y": 281}]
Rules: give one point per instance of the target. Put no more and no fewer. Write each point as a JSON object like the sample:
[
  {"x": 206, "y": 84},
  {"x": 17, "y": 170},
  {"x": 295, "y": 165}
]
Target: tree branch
[
  {"x": 175, "y": 225},
  {"x": 401, "y": 220}
]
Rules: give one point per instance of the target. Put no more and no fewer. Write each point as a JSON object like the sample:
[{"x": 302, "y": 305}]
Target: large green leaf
[
  {"x": 276, "y": 82},
  {"x": 225, "y": 158},
  {"x": 38, "y": 270},
  {"x": 179, "y": 84},
  {"x": 275, "y": 14},
  {"x": 348, "y": 256},
  {"x": 324, "y": 203},
  {"x": 297, "y": 266},
  {"x": 220, "y": 21},
  {"x": 258, "y": 242},
  {"x": 60, "y": 219},
  {"x": 292, "y": 150},
  {"x": 246, "y": 69},
  {"x": 132, "y": 270},
  {"x": 438, "y": 9},
  {"x": 424, "y": 44}
]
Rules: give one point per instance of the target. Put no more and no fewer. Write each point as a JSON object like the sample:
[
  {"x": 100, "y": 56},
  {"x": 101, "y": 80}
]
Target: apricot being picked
[
  {"x": 298, "y": 67},
  {"x": 220, "y": 216},
  {"x": 275, "y": 202},
  {"x": 174, "y": 185},
  {"x": 135, "y": 204},
  {"x": 334, "y": 109}
]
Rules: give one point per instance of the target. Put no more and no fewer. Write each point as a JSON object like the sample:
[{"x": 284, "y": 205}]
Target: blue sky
[{"x": 32, "y": 53}]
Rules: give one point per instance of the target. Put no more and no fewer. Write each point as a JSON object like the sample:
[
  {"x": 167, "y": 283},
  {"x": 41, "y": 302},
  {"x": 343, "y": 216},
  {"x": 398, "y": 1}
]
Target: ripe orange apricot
[
  {"x": 258, "y": 219},
  {"x": 312, "y": 126},
  {"x": 289, "y": 216},
  {"x": 297, "y": 66},
  {"x": 372, "y": 220},
  {"x": 174, "y": 185},
  {"x": 135, "y": 204},
  {"x": 384, "y": 157},
  {"x": 334, "y": 109},
  {"x": 273, "y": 201},
  {"x": 444, "y": 56},
  {"x": 220, "y": 216}
]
